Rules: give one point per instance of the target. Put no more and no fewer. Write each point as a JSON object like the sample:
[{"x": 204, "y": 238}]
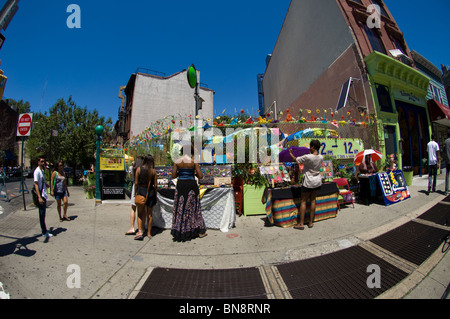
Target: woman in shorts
[{"x": 59, "y": 190}]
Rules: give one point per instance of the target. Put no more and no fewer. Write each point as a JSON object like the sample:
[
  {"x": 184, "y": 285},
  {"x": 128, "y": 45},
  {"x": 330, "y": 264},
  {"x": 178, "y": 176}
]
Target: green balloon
[{"x": 192, "y": 76}]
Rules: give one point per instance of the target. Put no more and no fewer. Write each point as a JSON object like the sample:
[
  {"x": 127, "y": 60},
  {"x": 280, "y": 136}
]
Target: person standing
[
  {"x": 433, "y": 159},
  {"x": 447, "y": 162},
  {"x": 312, "y": 181},
  {"x": 134, "y": 167},
  {"x": 187, "y": 220},
  {"x": 145, "y": 182},
  {"x": 41, "y": 189},
  {"x": 59, "y": 189}
]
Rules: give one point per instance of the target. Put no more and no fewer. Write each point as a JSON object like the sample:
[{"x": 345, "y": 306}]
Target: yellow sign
[
  {"x": 112, "y": 160},
  {"x": 340, "y": 148}
]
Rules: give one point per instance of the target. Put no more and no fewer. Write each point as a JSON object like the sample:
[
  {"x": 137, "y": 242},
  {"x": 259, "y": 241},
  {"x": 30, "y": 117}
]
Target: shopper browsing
[{"x": 312, "y": 181}]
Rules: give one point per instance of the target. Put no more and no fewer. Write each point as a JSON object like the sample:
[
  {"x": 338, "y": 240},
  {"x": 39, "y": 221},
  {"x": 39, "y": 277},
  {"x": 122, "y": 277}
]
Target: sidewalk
[{"x": 115, "y": 266}]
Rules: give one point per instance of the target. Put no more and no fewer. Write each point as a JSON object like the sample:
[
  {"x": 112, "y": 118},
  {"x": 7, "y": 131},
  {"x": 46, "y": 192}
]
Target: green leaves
[{"x": 73, "y": 138}]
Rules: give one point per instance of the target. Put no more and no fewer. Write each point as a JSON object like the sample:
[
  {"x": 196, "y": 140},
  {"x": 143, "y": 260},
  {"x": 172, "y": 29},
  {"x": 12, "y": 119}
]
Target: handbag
[{"x": 141, "y": 200}]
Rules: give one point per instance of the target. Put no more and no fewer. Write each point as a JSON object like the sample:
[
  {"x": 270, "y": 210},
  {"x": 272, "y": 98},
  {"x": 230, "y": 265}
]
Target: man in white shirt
[
  {"x": 41, "y": 189},
  {"x": 433, "y": 159}
]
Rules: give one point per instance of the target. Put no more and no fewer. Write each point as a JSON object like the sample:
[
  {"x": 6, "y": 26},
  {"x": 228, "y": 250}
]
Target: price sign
[{"x": 339, "y": 148}]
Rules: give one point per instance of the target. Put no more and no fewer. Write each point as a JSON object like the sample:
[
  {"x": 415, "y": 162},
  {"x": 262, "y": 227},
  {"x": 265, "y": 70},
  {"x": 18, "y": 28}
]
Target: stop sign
[{"x": 24, "y": 125}]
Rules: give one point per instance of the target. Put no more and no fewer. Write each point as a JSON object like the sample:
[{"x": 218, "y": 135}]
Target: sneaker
[{"x": 47, "y": 235}]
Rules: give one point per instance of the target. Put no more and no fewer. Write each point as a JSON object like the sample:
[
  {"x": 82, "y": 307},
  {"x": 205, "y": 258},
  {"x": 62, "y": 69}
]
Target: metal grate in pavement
[
  {"x": 412, "y": 241},
  {"x": 439, "y": 214},
  {"x": 203, "y": 283},
  {"x": 339, "y": 275}
]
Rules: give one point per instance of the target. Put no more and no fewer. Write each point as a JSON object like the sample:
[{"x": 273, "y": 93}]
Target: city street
[
  {"x": 15, "y": 197},
  {"x": 114, "y": 266}
]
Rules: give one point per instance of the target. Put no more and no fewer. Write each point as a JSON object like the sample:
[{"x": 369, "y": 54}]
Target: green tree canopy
[{"x": 67, "y": 133}]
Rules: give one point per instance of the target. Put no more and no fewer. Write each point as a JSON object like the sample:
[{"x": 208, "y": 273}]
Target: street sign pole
[
  {"x": 22, "y": 187},
  {"x": 24, "y": 129}
]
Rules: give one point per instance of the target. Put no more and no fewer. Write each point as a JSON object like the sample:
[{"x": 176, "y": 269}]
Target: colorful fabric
[{"x": 284, "y": 212}]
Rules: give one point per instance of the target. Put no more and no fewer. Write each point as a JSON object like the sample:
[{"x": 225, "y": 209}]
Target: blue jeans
[
  {"x": 447, "y": 172},
  {"x": 432, "y": 172},
  {"x": 42, "y": 209}
]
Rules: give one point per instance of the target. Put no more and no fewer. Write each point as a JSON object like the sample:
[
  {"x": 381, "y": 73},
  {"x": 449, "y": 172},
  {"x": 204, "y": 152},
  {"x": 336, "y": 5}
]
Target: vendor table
[
  {"x": 283, "y": 204},
  {"x": 218, "y": 208}
]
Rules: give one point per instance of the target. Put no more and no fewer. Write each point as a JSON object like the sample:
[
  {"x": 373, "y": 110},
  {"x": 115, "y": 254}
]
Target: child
[{"x": 312, "y": 180}]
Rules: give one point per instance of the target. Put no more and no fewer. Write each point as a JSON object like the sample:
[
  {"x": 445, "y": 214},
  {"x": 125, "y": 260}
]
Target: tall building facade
[
  {"x": 436, "y": 98},
  {"x": 150, "y": 96},
  {"x": 324, "y": 44}
]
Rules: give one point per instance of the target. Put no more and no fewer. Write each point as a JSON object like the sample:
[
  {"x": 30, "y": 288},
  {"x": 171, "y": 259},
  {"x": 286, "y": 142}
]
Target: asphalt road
[{"x": 15, "y": 197}]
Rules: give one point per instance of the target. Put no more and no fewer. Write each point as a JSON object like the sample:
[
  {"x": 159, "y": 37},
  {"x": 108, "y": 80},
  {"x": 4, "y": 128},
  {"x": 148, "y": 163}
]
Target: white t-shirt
[
  {"x": 432, "y": 148},
  {"x": 40, "y": 178},
  {"x": 311, "y": 171}
]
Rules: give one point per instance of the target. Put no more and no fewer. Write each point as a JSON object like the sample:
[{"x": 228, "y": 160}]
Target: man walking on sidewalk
[
  {"x": 41, "y": 189},
  {"x": 433, "y": 159}
]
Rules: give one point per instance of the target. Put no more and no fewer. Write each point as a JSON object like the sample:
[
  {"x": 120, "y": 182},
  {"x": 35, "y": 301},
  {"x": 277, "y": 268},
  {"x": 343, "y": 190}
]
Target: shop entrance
[
  {"x": 390, "y": 140},
  {"x": 414, "y": 133}
]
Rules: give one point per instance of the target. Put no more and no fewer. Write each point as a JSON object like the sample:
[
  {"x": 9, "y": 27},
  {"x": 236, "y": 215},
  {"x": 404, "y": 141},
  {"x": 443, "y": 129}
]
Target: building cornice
[{"x": 382, "y": 66}]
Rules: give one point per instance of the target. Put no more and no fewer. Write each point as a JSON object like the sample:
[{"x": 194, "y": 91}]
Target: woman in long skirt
[{"x": 187, "y": 222}]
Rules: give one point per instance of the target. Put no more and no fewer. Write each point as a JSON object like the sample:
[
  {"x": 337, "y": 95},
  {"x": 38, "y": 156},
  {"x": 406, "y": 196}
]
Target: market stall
[
  {"x": 282, "y": 202},
  {"x": 390, "y": 186},
  {"x": 112, "y": 174},
  {"x": 217, "y": 198}
]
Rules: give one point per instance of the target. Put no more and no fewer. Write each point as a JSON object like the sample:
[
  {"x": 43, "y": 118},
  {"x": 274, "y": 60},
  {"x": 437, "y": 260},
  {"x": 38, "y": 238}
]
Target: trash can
[{"x": 408, "y": 174}]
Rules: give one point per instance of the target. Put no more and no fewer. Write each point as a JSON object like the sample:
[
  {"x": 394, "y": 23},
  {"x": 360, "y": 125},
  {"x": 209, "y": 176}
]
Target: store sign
[
  {"x": 408, "y": 97},
  {"x": 112, "y": 160},
  {"x": 339, "y": 148}
]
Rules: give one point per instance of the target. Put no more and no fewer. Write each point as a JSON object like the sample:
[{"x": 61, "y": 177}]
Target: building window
[
  {"x": 436, "y": 93},
  {"x": 399, "y": 44},
  {"x": 382, "y": 9},
  {"x": 384, "y": 98},
  {"x": 374, "y": 39}
]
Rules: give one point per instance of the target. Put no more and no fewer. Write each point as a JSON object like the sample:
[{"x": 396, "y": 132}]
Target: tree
[
  {"x": 74, "y": 138},
  {"x": 20, "y": 107}
]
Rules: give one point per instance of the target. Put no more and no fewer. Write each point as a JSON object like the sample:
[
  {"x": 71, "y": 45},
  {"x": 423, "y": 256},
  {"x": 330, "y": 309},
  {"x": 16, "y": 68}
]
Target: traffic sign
[{"x": 24, "y": 124}]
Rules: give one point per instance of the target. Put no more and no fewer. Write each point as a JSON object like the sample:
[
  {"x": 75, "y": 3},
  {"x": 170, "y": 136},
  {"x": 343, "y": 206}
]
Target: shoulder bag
[{"x": 141, "y": 200}]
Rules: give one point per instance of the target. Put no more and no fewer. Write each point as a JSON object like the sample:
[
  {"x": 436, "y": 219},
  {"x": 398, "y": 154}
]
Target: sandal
[
  {"x": 67, "y": 219},
  {"x": 130, "y": 232},
  {"x": 310, "y": 226},
  {"x": 202, "y": 235},
  {"x": 139, "y": 237},
  {"x": 299, "y": 227}
]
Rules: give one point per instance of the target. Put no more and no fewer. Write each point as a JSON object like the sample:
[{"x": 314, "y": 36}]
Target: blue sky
[{"x": 226, "y": 40}]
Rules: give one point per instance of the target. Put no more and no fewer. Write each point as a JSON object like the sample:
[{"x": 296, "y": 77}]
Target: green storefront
[{"x": 399, "y": 96}]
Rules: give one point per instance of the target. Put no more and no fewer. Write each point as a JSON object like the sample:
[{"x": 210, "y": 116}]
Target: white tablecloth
[{"x": 218, "y": 210}]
